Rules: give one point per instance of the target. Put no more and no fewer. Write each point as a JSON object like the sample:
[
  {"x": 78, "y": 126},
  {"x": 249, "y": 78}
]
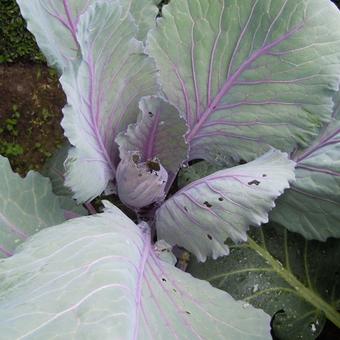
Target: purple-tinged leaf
[
  {"x": 54, "y": 24},
  {"x": 103, "y": 92},
  {"x": 312, "y": 206},
  {"x": 248, "y": 74},
  {"x": 27, "y": 205},
  {"x": 163, "y": 251},
  {"x": 139, "y": 183},
  {"x": 202, "y": 215},
  {"x": 99, "y": 277},
  {"x": 159, "y": 133}
]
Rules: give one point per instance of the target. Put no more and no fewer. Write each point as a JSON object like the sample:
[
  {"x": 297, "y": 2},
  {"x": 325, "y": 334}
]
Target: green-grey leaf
[
  {"x": 54, "y": 24},
  {"x": 202, "y": 215},
  {"x": 312, "y": 206},
  {"x": 246, "y": 74},
  {"x": 54, "y": 169},
  {"x": 99, "y": 277},
  {"x": 103, "y": 93},
  {"x": 27, "y": 205},
  {"x": 144, "y": 12},
  {"x": 159, "y": 132},
  {"x": 282, "y": 273}
]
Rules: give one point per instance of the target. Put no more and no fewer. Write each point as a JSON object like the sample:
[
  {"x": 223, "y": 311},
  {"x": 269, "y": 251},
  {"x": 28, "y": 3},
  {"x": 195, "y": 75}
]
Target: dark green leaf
[{"x": 295, "y": 280}]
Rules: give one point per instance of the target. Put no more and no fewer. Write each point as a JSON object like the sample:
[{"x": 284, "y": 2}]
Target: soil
[{"x": 30, "y": 115}]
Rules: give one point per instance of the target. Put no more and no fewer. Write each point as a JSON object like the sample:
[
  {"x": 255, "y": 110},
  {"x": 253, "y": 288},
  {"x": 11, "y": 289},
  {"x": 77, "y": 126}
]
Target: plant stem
[
  {"x": 309, "y": 295},
  {"x": 90, "y": 208}
]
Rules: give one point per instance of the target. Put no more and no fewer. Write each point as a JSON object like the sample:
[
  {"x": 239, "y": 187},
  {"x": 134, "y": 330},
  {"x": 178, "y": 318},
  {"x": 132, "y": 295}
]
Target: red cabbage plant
[{"x": 194, "y": 120}]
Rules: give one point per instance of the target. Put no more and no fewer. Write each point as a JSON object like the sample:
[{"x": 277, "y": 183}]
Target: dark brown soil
[{"x": 30, "y": 115}]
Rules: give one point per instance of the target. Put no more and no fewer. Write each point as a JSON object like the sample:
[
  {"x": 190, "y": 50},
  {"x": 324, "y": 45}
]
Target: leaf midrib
[
  {"x": 306, "y": 293},
  {"x": 234, "y": 77}
]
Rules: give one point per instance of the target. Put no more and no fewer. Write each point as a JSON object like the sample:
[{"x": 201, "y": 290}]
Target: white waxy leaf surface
[
  {"x": 54, "y": 24},
  {"x": 159, "y": 132},
  {"x": 248, "y": 74},
  {"x": 103, "y": 93},
  {"x": 202, "y": 215},
  {"x": 99, "y": 277},
  {"x": 140, "y": 184},
  {"x": 27, "y": 205},
  {"x": 312, "y": 206}
]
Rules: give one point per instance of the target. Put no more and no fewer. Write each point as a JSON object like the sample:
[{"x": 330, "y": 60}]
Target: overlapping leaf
[
  {"x": 103, "y": 92},
  {"x": 54, "y": 169},
  {"x": 140, "y": 184},
  {"x": 54, "y": 24},
  {"x": 144, "y": 12},
  {"x": 202, "y": 215},
  {"x": 197, "y": 171},
  {"x": 99, "y": 277},
  {"x": 27, "y": 205},
  {"x": 312, "y": 206},
  {"x": 159, "y": 133},
  {"x": 294, "y": 280},
  {"x": 247, "y": 74}
]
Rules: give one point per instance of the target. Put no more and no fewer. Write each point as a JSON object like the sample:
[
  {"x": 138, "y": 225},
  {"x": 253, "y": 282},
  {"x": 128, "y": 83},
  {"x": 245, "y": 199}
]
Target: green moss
[
  {"x": 16, "y": 43},
  {"x": 11, "y": 149}
]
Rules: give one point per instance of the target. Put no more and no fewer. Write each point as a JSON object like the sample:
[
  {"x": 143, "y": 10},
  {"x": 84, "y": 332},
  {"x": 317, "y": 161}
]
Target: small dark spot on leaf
[
  {"x": 150, "y": 114},
  {"x": 264, "y": 175},
  {"x": 242, "y": 161},
  {"x": 254, "y": 182},
  {"x": 220, "y": 199},
  {"x": 186, "y": 209},
  {"x": 209, "y": 237},
  {"x": 206, "y": 203},
  {"x": 153, "y": 166},
  {"x": 163, "y": 250},
  {"x": 135, "y": 159},
  {"x": 174, "y": 290},
  {"x": 188, "y": 312},
  {"x": 163, "y": 279}
]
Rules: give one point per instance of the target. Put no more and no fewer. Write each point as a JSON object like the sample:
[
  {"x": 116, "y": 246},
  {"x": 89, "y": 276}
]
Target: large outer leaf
[
  {"x": 27, "y": 205},
  {"x": 248, "y": 73},
  {"x": 202, "y": 215},
  {"x": 99, "y": 278},
  {"x": 159, "y": 133},
  {"x": 54, "y": 24},
  {"x": 312, "y": 206},
  {"x": 282, "y": 273},
  {"x": 103, "y": 92},
  {"x": 54, "y": 169}
]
